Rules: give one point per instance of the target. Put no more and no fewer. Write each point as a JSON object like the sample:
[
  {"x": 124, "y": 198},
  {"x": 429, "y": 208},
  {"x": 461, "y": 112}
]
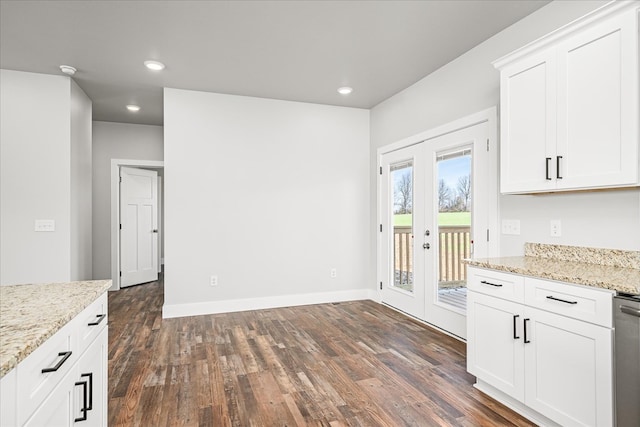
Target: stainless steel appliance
[{"x": 626, "y": 313}]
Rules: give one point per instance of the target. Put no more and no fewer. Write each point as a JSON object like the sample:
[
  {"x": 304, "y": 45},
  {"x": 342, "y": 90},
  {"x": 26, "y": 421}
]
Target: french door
[{"x": 433, "y": 213}]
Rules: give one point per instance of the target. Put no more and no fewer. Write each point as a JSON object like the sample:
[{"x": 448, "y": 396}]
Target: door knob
[
  {"x": 154, "y": 231},
  {"x": 426, "y": 246}
]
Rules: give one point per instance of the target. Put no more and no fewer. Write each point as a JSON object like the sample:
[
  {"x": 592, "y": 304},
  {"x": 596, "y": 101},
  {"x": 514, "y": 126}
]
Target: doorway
[
  {"x": 116, "y": 255},
  {"x": 437, "y": 206}
]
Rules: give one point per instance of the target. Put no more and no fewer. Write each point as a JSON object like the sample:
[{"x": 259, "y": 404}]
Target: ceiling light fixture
[
  {"x": 345, "y": 90},
  {"x": 154, "y": 65},
  {"x": 68, "y": 70},
  {"x": 133, "y": 108}
]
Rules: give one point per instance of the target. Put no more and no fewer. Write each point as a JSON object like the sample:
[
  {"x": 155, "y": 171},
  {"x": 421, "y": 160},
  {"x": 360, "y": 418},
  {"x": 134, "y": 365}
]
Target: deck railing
[{"x": 454, "y": 245}]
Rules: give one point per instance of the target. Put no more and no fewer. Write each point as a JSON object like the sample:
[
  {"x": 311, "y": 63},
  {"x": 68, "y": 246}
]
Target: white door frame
[
  {"x": 115, "y": 211},
  {"x": 489, "y": 116}
]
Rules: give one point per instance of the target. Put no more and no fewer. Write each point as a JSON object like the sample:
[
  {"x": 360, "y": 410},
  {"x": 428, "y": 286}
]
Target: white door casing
[{"x": 138, "y": 226}]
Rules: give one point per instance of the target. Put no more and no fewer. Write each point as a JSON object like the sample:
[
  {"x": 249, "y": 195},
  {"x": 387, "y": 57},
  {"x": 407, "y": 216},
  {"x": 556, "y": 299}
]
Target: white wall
[
  {"x": 115, "y": 141},
  {"x": 35, "y": 177},
  {"x": 268, "y": 195},
  {"x": 470, "y": 84},
  {"x": 46, "y": 174},
  {"x": 81, "y": 232}
]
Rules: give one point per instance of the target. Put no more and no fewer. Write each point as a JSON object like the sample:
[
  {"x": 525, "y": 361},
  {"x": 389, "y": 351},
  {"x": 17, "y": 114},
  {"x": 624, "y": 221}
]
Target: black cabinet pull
[
  {"x": 561, "y": 300},
  {"x": 97, "y": 322},
  {"x": 90, "y": 376},
  {"x": 558, "y": 167},
  {"x": 515, "y": 336},
  {"x": 66, "y": 355},
  {"x": 526, "y": 341},
  {"x": 547, "y": 160},
  {"x": 484, "y": 282},
  {"x": 84, "y": 402}
]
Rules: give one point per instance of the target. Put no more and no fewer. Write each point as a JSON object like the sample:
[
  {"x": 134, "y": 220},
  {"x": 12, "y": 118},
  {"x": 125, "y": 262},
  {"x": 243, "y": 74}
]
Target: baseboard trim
[
  {"x": 515, "y": 405},
  {"x": 245, "y": 304}
]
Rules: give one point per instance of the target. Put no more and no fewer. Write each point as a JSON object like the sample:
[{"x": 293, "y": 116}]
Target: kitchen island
[{"x": 53, "y": 352}]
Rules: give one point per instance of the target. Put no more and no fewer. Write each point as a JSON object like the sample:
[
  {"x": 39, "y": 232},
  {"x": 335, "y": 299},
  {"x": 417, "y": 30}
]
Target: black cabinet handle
[
  {"x": 515, "y": 336},
  {"x": 558, "y": 167},
  {"x": 84, "y": 402},
  {"x": 66, "y": 355},
  {"x": 90, "y": 376},
  {"x": 484, "y": 282},
  {"x": 547, "y": 160},
  {"x": 561, "y": 300},
  {"x": 97, "y": 322},
  {"x": 526, "y": 341}
]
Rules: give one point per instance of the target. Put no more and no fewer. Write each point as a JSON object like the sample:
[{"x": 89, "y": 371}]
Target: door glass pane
[
  {"x": 454, "y": 225},
  {"x": 402, "y": 209}
]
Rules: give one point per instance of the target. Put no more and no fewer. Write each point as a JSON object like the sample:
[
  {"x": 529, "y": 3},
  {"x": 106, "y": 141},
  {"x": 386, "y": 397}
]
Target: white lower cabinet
[
  {"x": 568, "y": 369},
  {"x": 554, "y": 365},
  {"x": 63, "y": 383}
]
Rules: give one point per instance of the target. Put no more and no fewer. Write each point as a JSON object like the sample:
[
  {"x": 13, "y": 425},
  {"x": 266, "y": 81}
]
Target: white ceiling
[{"x": 291, "y": 50}]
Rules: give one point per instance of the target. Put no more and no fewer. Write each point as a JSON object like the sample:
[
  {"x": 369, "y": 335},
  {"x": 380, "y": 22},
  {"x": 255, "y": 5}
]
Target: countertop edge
[
  {"x": 54, "y": 327},
  {"x": 496, "y": 264}
]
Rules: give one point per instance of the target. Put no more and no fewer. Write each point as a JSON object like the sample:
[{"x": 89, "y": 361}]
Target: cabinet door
[
  {"x": 598, "y": 106},
  {"x": 92, "y": 369},
  {"x": 528, "y": 124},
  {"x": 568, "y": 369},
  {"x": 494, "y": 343}
]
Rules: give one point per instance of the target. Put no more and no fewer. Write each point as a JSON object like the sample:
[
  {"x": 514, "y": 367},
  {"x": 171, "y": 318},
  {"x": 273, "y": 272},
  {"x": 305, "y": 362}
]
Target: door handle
[
  {"x": 547, "y": 160},
  {"x": 558, "y": 176},
  {"x": 515, "y": 334},
  {"x": 84, "y": 402},
  {"x": 630, "y": 310},
  {"x": 154, "y": 231},
  {"x": 426, "y": 246},
  {"x": 526, "y": 340}
]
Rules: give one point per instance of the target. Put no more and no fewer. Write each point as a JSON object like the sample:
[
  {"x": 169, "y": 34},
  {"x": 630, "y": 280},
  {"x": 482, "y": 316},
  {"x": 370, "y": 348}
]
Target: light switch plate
[
  {"x": 511, "y": 226},
  {"x": 556, "y": 230},
  {"x": 45, "y": 225}
]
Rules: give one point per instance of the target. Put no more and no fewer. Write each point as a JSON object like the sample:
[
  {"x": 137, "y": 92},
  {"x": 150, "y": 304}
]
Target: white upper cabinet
[{"x": 569, "y": 106}]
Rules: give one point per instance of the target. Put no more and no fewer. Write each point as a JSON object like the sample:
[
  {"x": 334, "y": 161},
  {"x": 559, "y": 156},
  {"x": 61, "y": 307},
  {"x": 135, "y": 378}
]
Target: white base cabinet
[
  {"x": 548, "y": 359},
  {"x": 63, "y": 383}
]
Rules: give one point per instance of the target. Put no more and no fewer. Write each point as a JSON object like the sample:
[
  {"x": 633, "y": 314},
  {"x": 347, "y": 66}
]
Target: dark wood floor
[{"x": 348, "y": 364}]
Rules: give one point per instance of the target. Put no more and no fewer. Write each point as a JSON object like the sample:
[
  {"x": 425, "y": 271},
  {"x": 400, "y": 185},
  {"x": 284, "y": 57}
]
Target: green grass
[{"x": 444, "y": 218}]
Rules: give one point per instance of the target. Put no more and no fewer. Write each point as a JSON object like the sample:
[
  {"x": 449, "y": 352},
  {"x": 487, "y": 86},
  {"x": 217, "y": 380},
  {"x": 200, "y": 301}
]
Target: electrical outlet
[
  {"x": 556, "y": 230},
  {"x": 334, "y": 273},
  {"x": 214, "y": 281},
  {"x": 45, "y": 225},
  {"x": 511, "y": 226}
]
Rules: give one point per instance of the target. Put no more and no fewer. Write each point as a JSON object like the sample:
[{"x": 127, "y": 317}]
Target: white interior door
[{"x": 138, "y": 226}]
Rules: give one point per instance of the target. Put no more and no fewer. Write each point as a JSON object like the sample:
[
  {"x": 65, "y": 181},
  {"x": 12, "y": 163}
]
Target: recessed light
[
  {"x": 68, "y": 69},
  {"x": 133, "y": 108},
  {"x": 154, "y": 65},
  {"x": 345, "y": 90}
]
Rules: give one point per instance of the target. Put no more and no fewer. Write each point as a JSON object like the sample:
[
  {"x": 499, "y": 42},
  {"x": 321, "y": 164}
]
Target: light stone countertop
[
  {"x": 604, "y": 268},
  {"x": 29, "y": 314}
]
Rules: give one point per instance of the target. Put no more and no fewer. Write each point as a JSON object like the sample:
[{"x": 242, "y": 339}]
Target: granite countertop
[
  {"x": 29, "y": 314},
  {"x": 599, "y": 268}
]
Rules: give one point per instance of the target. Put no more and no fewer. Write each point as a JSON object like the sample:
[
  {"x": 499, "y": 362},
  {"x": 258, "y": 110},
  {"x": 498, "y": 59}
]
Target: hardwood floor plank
[{"x": 343, "y": 364}]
